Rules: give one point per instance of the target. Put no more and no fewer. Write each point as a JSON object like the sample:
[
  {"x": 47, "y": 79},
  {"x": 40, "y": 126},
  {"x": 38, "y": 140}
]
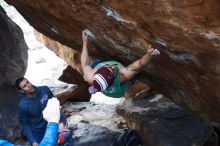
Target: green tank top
[{"x": 116, "y": 90}]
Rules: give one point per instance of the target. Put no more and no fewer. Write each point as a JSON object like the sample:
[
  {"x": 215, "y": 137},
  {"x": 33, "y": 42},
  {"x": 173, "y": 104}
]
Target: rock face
[
  {"x": 71, "y": 74},
  {"x": 97, "y": 124},
  {"x": 72, "y": 57},
  {"x": 95, "y": 113},
  {"x": 80, "y": 93},
  {"x": 92, "y": 135},
  {"x": 186, "y": 33},
  {"x": 162, "y": 123},
  {"x": 13, "y": 50},
  {"x": 13, "y": 64}
]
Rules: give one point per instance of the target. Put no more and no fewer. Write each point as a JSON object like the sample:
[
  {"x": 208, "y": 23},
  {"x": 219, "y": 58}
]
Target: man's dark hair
[{"x": 18, "y": 81}]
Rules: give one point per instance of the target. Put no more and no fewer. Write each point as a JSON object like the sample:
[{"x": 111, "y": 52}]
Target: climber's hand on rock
[
  {"x": 152, "y": 52},
  {"x": 84, "y": 36}
]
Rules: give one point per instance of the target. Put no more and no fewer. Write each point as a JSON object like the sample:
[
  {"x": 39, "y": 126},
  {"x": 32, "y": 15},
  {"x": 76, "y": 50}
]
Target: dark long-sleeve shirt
[{"x": 30, "y": 111}]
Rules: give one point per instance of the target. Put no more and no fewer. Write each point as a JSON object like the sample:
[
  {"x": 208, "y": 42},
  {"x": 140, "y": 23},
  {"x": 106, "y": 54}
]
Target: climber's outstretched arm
[
  {"x": 87, "y": 70},
  {"x": 84, "y": 55},
  {"x": 127, "y": 73}
]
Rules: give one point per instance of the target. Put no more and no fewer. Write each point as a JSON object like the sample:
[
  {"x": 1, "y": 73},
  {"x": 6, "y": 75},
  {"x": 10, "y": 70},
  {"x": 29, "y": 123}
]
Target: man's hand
[
  {"x": 64, "y": 124},
  {"x": 35, "y": 144},
  {"x": 152, "y": 52},
  {"x": 52, "y": 111},
  {"x": 84, "y": 36}
]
